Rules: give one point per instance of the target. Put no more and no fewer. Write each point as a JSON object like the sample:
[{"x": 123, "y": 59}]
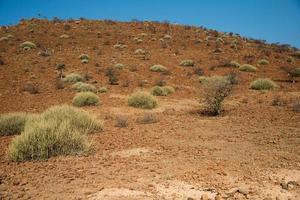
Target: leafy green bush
[
  {"x": 263, "y": 62},
  {"x": 142, "y": 100},
  {"x": 247, "y": 68},
  {"x": 84, "y": 87},
  {"x": 85, "y": 99},
  {"x": 28, "y": 45},
  {"x": 262, "y": 84},
  {"x": 13, "y": 123},
  {"x": 61, "y": 130},
  {"x": 102, "y": 89},
  {"x": 73, "y": 78},
  {"x": 158, "y": 68},
  {"x": 187, "y": 63}
]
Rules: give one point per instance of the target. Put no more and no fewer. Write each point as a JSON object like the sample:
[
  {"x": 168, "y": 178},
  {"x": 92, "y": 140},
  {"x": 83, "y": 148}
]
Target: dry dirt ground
[{"x": 250, "y": 151}]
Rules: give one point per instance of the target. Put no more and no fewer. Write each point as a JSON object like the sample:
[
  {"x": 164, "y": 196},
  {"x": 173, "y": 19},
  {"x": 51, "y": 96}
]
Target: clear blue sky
[{"x": 271, "y": 20}]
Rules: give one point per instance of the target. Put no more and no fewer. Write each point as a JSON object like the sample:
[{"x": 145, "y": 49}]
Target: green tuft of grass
[
  {"x": 142, "y": 100},
  {"x": 73, "y": 78},
  {"x": 13, "y": 123},
  {"x": 263, "y": 62},
  {"x": 60, "y": 130},
  {"x": 247, "y": 68},
  {"x": 28, "y": 45},
  {"x": 187, "y": 63},
  {"x": 162, "y": 91},
  {"x": 102, "y": 89},
  {"x": 85, "y": 99},
  {"x": 262, "y": 84},
  {"x": 158, "y": 68},
  {"x": 84, "y": 87}
]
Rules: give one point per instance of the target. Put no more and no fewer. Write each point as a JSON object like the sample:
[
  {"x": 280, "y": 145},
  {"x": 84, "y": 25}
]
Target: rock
[
  {"x": 190, "y": 198},
  {"x": 284, "y": 185},
  {"x": 243, "y": 190},
  {"x": 204, "y": 197}
]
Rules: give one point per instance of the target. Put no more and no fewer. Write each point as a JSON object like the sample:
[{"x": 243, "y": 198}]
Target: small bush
[
  {"x": 119, "y": 66},
  {"x": 247, "y": 68},
  {"x": 142, "y": 100},
  {"x": 216, "y": 90},
  {"x": 158, "y": 68},
  {"x": 140, "y": 52},
  {"x": 28, "y": 45},
  {"x": 297, "y": 54},
  {"x": 84, "y": 61},
  {"x": 102, "y": 89},
  {"x": 187, "y": 63},
  {"x": 84, "y": 87},
  {"x": 13, "y": 123},
  {"x": 85, "y": 99},
  {"x": 206, "y": 80},
  {"x": 158, "y": 91},
  {"x": 169, "y": 89},
  {"x": 295, "y": 72},
  {"x": 263, "y": 62},
  {"x": 262, "y": 84},
  {"x": 61, "y": 130},
  {"x": 73, "y": 78}
]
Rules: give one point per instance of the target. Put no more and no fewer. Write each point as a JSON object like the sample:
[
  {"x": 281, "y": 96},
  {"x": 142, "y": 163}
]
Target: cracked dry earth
[{"x": 184, "y": 155}]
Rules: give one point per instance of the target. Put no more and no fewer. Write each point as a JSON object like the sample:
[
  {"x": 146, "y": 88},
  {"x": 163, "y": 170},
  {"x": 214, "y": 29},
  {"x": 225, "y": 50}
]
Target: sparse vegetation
[
  {"x": 121, "y": 121},
  {"x": 295, "y": 72},
  {"x": 216, "y": 90},
  {"x": 187, "y": 63},
  {"x": 13, "y": 123},
  {"x": 61, "y": 130},
  {"x": 247, "y": 68},
  {"x": 142, "y": 100},
  {"x": 102, "y": 89},
  {"x": 263, "y": 62},
  {"x": 85, "y": 99},
  {"x": 84, "y": 87},
  {"x": 162, "y": 91},
  {"x": 73, "y": 78},
  {"x": 28, "y": 45},
  {"x": 262, "y": 84},
  {"x": 234, "y": 64},
  {"x": 158, "y": 68},
  {"x": 84, "y": 57}
]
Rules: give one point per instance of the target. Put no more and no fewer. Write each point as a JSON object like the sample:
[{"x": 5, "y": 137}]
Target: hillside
[{"x": 251, "y": 150}]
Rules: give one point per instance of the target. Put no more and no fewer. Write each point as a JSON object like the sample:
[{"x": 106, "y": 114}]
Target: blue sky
[{"x": 271, "y": 20}]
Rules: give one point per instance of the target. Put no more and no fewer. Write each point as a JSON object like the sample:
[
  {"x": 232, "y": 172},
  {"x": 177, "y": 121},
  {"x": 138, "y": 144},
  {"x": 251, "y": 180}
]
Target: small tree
[{"x": 216, "y": 91}]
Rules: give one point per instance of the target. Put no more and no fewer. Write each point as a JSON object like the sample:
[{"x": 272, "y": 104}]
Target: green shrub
[
  {"x": 162, "y": 91},
  {"x": 61, "y": 130},
  {"x": 158, "y": 91},
  {"x": 263, "y": 62},
  {"x": 73, "y": 78},
  {"x": 158, "y": 68},
  {"x": 85, "y": 99},
  {"x": 13, "y": 123},
  {"x": 262, "y": 84},
  {"x": 140, "y": 52},
  {"x": 247, "y": 68},
  {"x": 216, "y": 90},
  {"x": 295, "y": 72},
  {"x": 102, "y": 89},
  {"x": 290, "y": 59},
  {"x": 84, "y": 87},
  {"x": 28, "y": 45},
  {"x": 169, "y": 89},
  {"x": 142, "y": 100},
  {"x": 187, "y": 63},
  {"x": 206, "y": 80}
]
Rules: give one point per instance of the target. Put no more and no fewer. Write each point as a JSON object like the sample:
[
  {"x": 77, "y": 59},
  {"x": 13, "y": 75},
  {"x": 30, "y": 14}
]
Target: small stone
[
  {"x": 243, "y": 190},
  {"x": 284, "y": 185},
  {"x": 190, "y": 198}
]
